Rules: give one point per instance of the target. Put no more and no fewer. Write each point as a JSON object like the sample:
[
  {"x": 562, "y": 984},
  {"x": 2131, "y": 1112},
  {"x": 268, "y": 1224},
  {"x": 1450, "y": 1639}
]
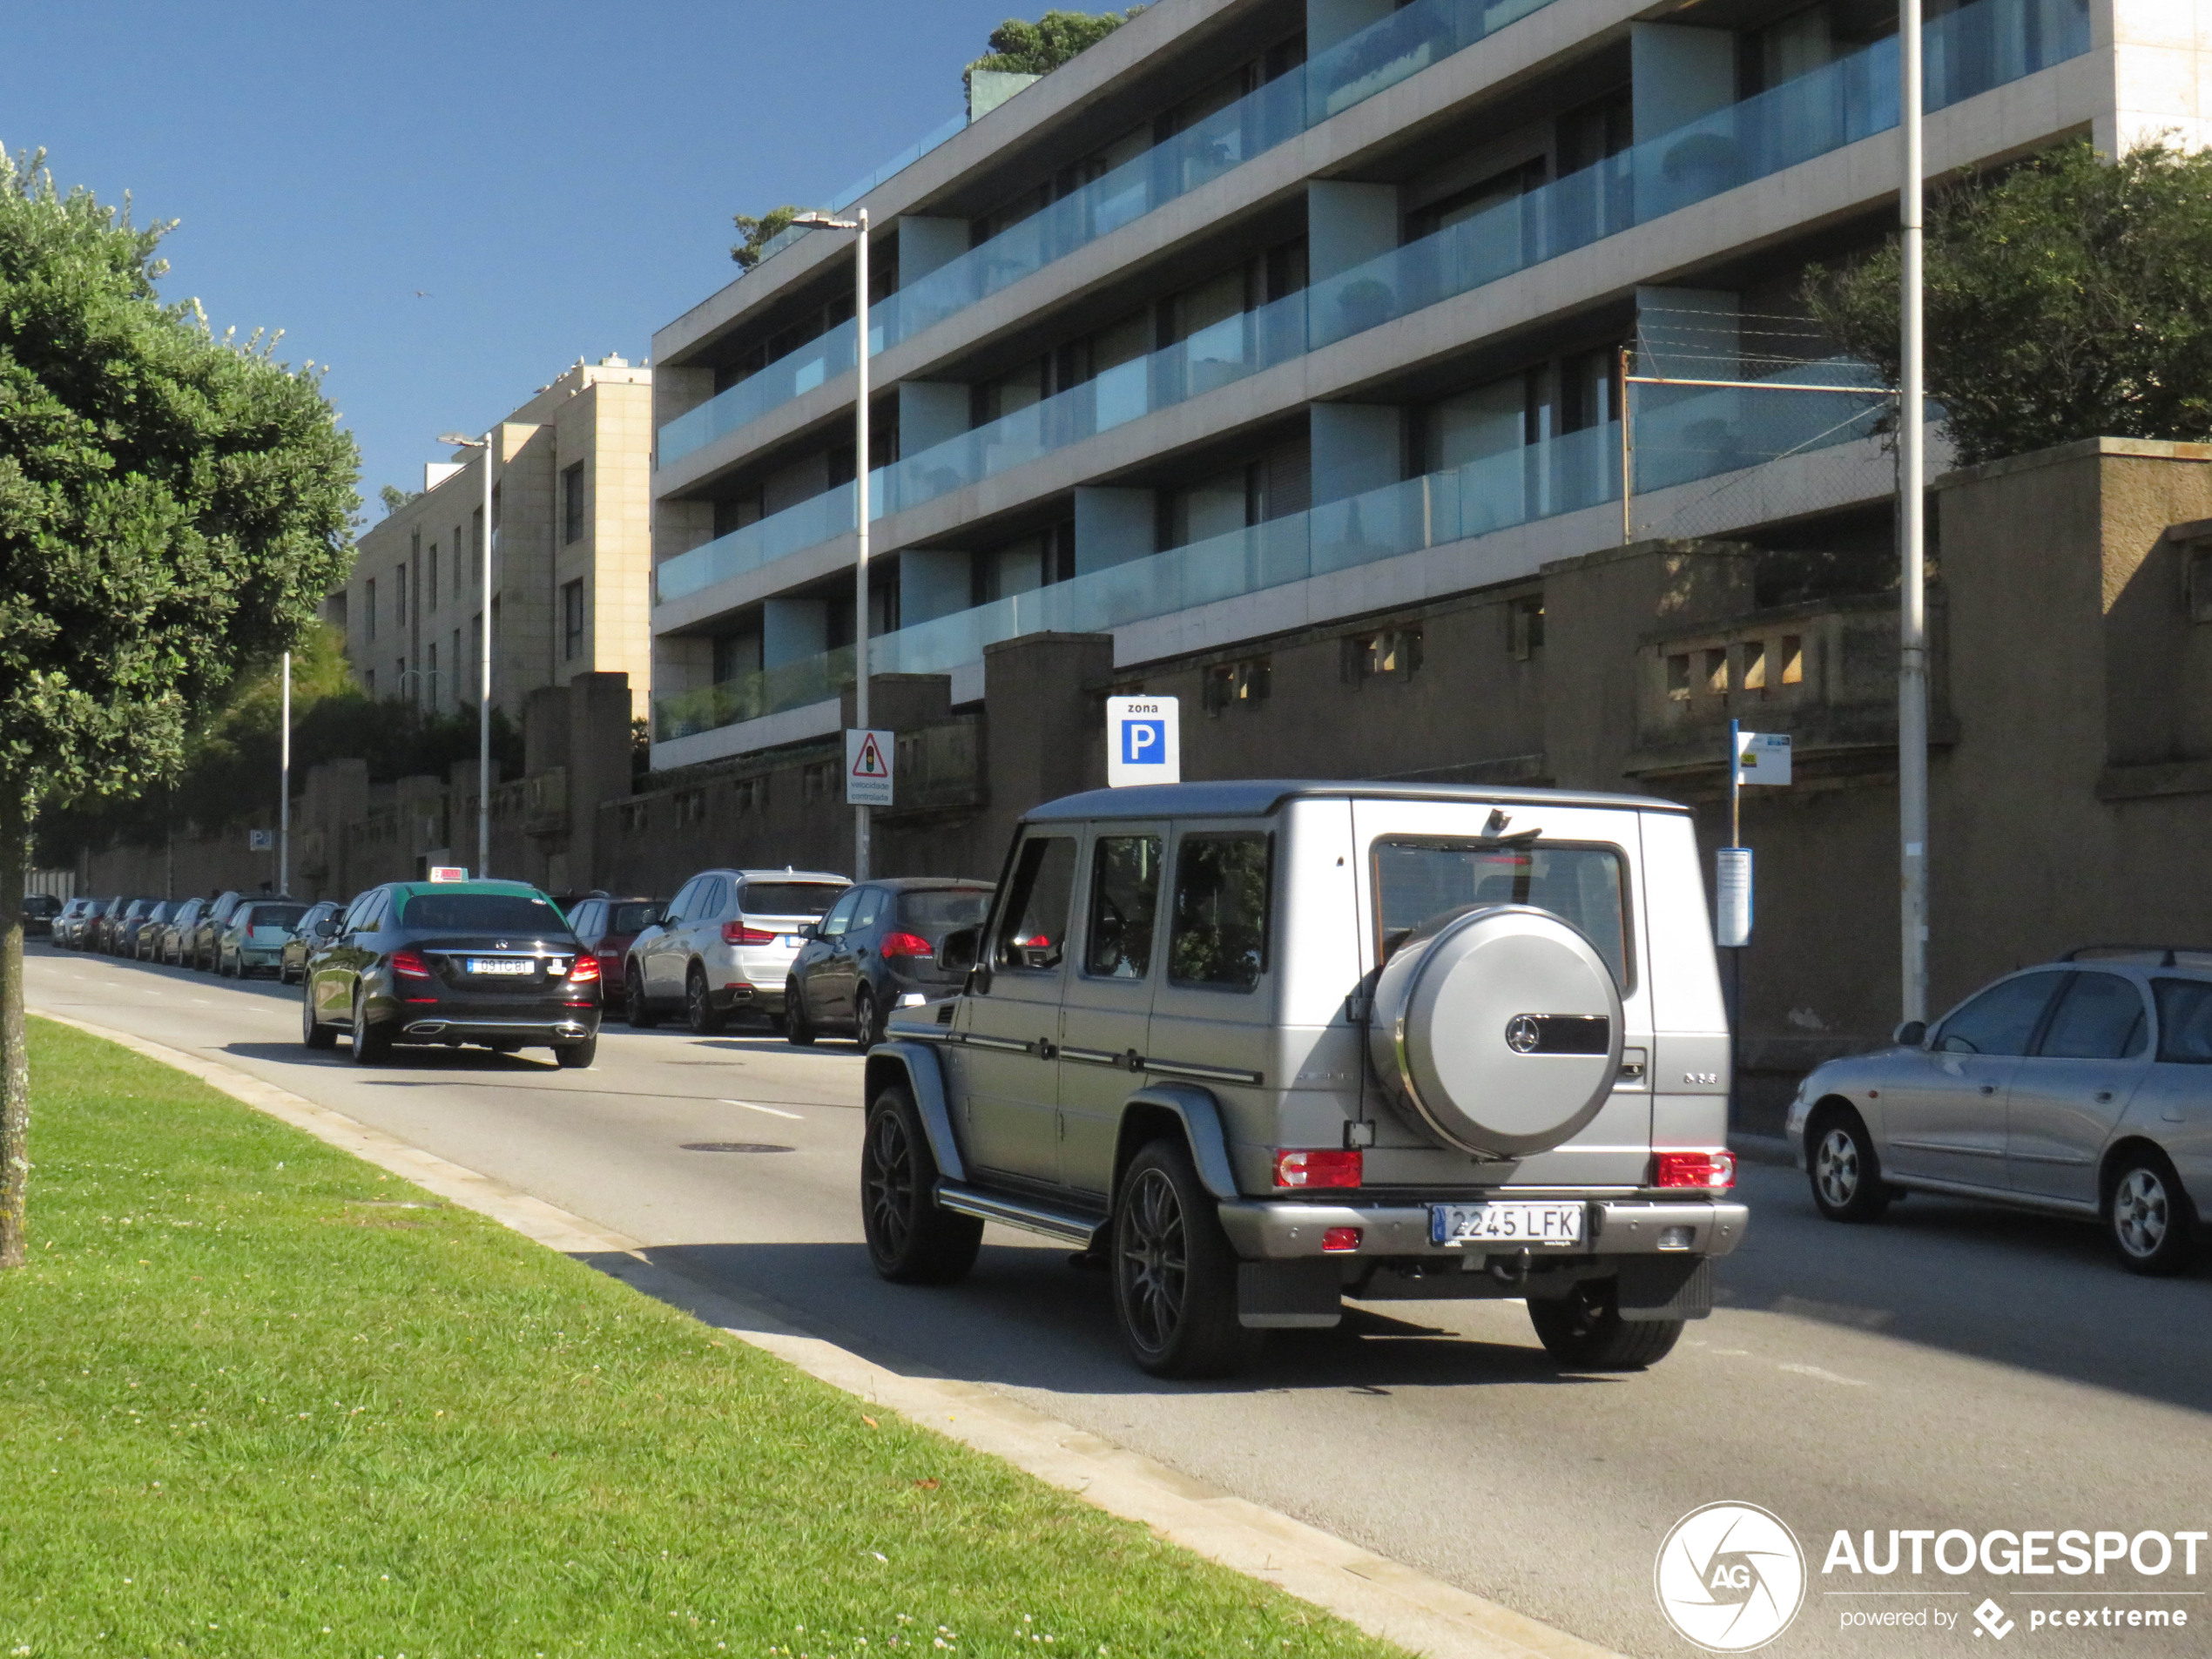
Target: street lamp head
[
  {"x": 459, "y": 441},
  {"x": 824, "y": 222}
]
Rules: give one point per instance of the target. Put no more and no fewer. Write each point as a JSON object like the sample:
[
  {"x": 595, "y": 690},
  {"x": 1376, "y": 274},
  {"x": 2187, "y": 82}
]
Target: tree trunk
[{"x": 15, "y": 1061}]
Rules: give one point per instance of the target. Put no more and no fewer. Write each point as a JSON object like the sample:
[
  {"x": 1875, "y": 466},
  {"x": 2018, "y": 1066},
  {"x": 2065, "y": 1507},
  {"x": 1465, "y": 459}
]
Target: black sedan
[
  {"x": 39, "y": 910},
  {"x": 490, "y": 962},
  {"x": 876, "y": 950},
  {"x": 304, "y": 940}
]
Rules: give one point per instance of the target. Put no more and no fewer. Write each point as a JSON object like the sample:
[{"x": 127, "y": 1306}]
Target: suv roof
[
  {"x": 782, "y": 873},
  {"x": 1257, "y": 797}
]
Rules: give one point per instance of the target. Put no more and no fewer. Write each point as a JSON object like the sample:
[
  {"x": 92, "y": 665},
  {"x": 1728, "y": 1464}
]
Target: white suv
[{"x": 724, "y": 946}]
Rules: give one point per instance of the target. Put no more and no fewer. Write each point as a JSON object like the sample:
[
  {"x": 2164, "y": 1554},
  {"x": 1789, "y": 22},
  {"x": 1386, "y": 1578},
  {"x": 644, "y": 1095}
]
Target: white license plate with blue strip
[
  {"x": 501, "y": 967},
  {"x": 1518, "y": 1223}
]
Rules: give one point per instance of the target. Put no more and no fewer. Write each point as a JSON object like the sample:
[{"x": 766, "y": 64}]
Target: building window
[
  {"x": 572, "y": 619},
  {"x": 459, "y": 690},
  {"x": 572, "y": 502},
  {"x": 1390, "y": 653},
  {"x": 431, "y": 586},
  {"x": 460, "y": 575},
  {"x": 368, "y": 608},
  {"x": 1525, "y": 628},
  {"x": 691, "y": 806},
  {"x": 1754, "y": 664},
  {"x": 1793, "y": 660},
  {"x": 1716, "y": 672},
  {"x": 476, "y": 545},
  {"x": 372, "y": 682},
  {"x": 1678, "y": 677},
  {"x": 399, "y": 596},
  {"x": 1237, "y": 684}
]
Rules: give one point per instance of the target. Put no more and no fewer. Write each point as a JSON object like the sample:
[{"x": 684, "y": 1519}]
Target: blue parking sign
[{"x": 1143, "y": 741}]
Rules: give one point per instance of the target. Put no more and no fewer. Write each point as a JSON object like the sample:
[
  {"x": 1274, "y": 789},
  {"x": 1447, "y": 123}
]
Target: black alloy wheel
[
  {"x": 2152, "y": 1222},
  {"x": 867, "y": 1024},
  {"x": 910, "y": 1241},
  {"x": 699, "y": 1011},
  {"x": 313, "y": 1032},
  {"x": 1584, "y": 1330},
  {"x": 372, "y": 1044},
  {"x": 798, "y": 1030},
  {"x": 636, "y": 1010},
  {"x": 1844, "y": 1168},
  {"x": 1174, "y": 1275}
]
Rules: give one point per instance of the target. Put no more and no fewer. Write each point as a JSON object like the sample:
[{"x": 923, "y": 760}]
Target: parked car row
[{"x": 233, "y": 934}]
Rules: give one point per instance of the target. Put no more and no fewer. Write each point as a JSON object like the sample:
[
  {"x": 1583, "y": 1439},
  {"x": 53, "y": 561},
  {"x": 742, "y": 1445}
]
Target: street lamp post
[
  {"x": 1913, "y": 618},
  {"x": 858, "y": 223},
  {"x": 483, "y": 679},
  {"x": 284, "y": 790}
]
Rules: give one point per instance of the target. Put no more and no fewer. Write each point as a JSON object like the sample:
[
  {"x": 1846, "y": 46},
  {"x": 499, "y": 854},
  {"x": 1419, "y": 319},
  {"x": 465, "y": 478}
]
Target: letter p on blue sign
[{"x": 1143, "y": 741}]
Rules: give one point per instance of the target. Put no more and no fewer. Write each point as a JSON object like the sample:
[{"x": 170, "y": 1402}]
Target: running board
[{"x": 1068, "y": 1226}]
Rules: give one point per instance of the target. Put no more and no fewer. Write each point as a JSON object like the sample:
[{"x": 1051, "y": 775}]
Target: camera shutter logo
[{"x": 1730, "y": 1577}]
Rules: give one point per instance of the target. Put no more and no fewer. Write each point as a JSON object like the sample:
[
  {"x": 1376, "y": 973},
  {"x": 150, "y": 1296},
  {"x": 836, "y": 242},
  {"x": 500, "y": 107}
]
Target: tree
[
  {"x": 173, "y": 506},
  {"x": 758, "y": 232},
  {"x": 395, "y": 498},
  {"x": 2068, "y": 298},
  {"x": 1041, "y": 47}
]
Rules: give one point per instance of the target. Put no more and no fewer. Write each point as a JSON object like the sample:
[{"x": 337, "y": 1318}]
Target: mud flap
[
  {"x": 1665, "y": 1287},
  {"x": 1305, "y": 1294}
]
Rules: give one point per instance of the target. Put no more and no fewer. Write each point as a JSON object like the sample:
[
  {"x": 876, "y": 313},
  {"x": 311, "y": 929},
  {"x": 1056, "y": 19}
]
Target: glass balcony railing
[
  {"x": 1968, "y": 51},
  {"x": 1679, "y": 437},
  {"x": 1378, "y": 57}
]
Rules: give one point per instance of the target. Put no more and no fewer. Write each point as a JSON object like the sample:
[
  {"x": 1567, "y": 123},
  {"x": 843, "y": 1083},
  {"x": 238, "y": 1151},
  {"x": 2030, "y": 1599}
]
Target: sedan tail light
[
  {"x": 1714, "y": 1171},
  {"x": 586, "y": 969},
  {"x": 736, "y": 932},
  {"x": 408, "y": 965},
  {"x": 1330, "y": 1167},
  {"x": 905, "y": 945}
]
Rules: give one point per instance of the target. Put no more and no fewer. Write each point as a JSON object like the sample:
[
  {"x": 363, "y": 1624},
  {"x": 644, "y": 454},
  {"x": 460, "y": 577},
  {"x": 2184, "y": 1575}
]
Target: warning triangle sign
[{"x": 869, "y": 762}]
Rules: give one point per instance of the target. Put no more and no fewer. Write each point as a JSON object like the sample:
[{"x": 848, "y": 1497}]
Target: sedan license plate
[
  {"x": 1504, "y": 1223},
  {"x": 501, "y": 966}
]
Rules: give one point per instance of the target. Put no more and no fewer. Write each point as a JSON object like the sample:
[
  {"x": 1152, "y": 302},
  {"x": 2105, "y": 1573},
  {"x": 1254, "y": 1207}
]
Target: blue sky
[{"x": 557, "y": 178}]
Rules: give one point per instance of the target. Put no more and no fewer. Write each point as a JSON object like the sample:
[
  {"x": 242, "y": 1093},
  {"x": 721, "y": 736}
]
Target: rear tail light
[
  {"x": 1335, "y": 1241},
  {"x": 736, "y": 932},
  {"x": 904, "y": 945},
  {"x": 1714, "y": 1171},
  {"x": 1333, "y": 1167},
  {"x": 408, "y": 965},
  {"x": 587, "y": 967}
]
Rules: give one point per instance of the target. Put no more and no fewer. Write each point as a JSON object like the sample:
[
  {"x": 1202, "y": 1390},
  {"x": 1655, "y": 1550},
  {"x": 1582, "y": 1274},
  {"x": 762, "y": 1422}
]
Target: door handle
[
  {"x": 2103, "y": 1096},
  {"x": 1989, "y": 1089}
]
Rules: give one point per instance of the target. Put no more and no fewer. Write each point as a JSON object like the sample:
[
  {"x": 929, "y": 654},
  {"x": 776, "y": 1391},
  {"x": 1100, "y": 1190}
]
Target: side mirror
[
  {"x": 669, "y": 919},
  {"x": 326, "y": 927},
  {"x": 956, "y": 952},
  {"x": 1912, "y": 1034},
  {"x": 811, "y": 930}
]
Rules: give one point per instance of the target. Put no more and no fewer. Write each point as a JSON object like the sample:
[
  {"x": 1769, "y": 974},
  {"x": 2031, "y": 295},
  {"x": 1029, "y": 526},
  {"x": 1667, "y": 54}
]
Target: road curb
[{"x": 1381, "y": 1596}]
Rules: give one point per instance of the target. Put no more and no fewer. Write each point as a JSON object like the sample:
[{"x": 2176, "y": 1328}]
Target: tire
[
  {"x": 576, "y": 1056},
  {"x": 910, "y": 1240},
  {"x": 867, "y": 1024},
  {"x": 313, "y": 1032},
  {"x": 1584, "y": 1332},
  {"x": 1843, "y": 1169},
  {"x": 1174, "y": 1275},
  {"x": 637, "y": 1012},
  {"x": 372, "y": 1044},
  {"x": 2148, "y": 1216},
  {"x": 798, "y": 1029},
  {"x": 505, "y": 1045},
  {"x": 700, "y": 1012}
]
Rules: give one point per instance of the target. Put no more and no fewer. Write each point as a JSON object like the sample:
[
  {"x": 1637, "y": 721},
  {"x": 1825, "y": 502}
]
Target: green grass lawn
[{"x": 258, "y": 1398}]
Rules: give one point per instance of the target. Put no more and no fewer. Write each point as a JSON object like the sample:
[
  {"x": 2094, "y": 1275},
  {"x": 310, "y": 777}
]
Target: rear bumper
[
  {"x": 1261, "y": 1230},
  {"x": 746, "y": 998},
  {"x": 434, "y": 1028}
]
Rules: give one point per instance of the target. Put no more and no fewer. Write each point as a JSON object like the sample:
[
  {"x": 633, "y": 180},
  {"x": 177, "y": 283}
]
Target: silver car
[
  {"x": 726, "y": 945},
  {"x": 2082, "y": 1087}
]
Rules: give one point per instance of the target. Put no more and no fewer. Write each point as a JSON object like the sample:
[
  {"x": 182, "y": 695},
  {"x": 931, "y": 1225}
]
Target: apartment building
[
  {"x": 1270, "y": 315},
  {"x": 570, "y": 555}
]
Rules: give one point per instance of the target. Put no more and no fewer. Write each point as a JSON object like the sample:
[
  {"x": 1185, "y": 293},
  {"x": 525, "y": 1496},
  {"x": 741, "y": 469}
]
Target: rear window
[
  {"x": 630, "y": 918},
  {"x": 933, "y": 914},
  {"x": 512, "y": 913},
  {"x": 1419, "y": 883},
  {"x": 286, "y": 916},
  {"x": 788, "y": 898},
  {"x": 2184, "y": 1020}
]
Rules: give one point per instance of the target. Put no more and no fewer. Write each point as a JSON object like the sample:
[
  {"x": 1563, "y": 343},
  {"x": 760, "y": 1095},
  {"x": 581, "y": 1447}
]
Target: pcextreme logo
[{"x": 1730, "y": 1577}]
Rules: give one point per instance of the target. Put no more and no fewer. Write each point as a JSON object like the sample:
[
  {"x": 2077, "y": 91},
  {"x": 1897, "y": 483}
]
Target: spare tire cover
[{"x": 1497, "y": 1029}]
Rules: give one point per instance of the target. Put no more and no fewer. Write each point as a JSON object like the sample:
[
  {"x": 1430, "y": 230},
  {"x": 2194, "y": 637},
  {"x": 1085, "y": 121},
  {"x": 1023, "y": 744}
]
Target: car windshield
[
  {"x": 283, "y": 916},
  {"x": 512, "y": 913},
  {"x": 1422, "y": 882},
  {"x": 932, "y": 913},
  {"x": 789, "y": 898}
]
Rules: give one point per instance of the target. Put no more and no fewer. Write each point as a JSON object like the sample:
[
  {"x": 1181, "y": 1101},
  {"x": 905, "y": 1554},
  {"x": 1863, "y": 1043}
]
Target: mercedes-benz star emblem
[
  {"x": 1523, "y": 1034},
  {"x": 501, "y": 946}
]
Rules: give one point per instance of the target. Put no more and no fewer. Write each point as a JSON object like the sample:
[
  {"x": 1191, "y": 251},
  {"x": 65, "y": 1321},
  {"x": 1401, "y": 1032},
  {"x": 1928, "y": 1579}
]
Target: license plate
[
  {"x": 501, "y": 967},
  {"x": 1504, "y": 1223},
  {"x": 791, "y": 941}
]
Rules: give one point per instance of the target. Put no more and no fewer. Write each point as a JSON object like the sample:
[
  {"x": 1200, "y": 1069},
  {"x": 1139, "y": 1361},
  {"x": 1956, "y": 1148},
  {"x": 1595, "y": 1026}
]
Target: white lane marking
[
  {"x": 771, "y": 1111},
  {"x": 1819, "y": 1375}
]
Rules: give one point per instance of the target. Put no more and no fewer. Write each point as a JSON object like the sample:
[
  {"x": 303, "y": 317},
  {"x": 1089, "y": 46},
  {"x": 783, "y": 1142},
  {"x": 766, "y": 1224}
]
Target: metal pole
[
  {"x": 1627, "y": 484},
  {"x": 483, "y": 688},
  {"x": 1735, "y": 782},
  {"x": 1912, "y": 620},
  {"x": 1736, "y": 955},
  {"x": 284, "y": 789},
  {"x": 861, "y": 505}
]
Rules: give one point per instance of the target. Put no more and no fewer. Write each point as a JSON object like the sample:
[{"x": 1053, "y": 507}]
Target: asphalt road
[{"x": 1955, "y": 1367}]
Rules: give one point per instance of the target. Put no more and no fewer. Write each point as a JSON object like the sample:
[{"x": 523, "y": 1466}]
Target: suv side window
[
  {"x": 1032, "y": 927},
  {"x": 2184, "y": 1020},
  {"x": 2001, "y": 1021},
  {"x": 1222, "y": 892},
  {"x": 870, "y": 909},
  {"x": 1124, "y": 899},
  {"x": 684, "y": 905},
  {"x": 840, "y": 916}
]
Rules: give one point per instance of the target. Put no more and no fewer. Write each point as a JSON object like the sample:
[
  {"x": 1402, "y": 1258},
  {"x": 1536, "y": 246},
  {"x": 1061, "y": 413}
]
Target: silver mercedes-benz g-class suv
[{"x": 1257, "y": 1047}]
